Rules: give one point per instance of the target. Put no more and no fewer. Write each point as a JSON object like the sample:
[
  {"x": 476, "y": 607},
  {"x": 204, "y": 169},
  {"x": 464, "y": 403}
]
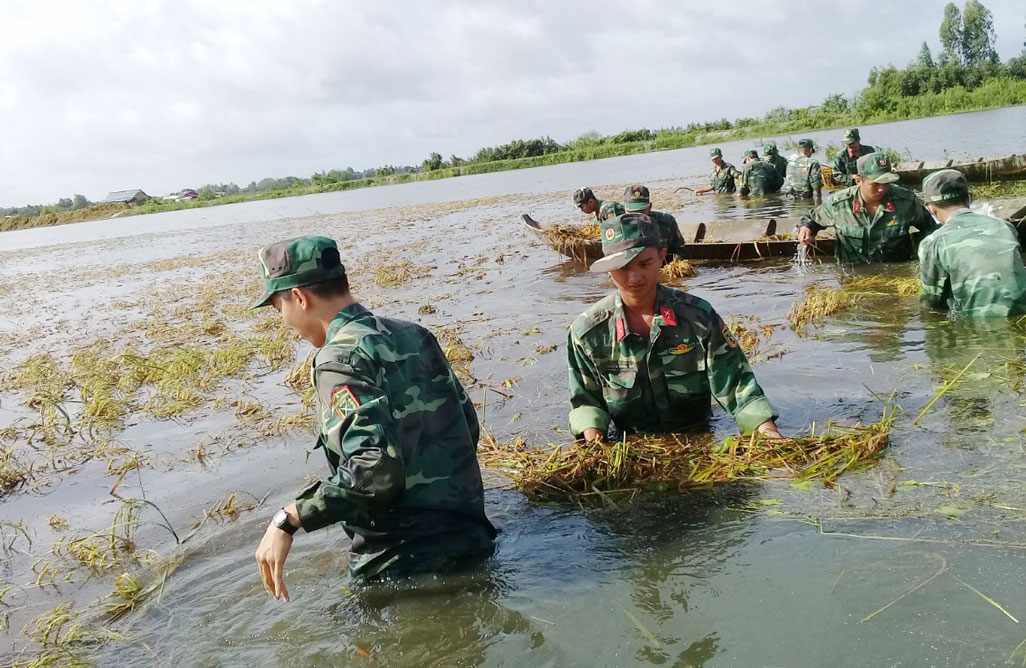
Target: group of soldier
[{"x": 400, "y": 433}]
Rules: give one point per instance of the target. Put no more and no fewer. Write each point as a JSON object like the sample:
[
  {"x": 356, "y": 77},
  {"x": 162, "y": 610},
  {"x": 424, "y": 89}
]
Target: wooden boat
[
  {"x": 725, "y": 240},
  {"x": 975, "y": 169}
]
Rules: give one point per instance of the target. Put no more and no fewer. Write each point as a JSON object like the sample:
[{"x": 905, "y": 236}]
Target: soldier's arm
[
  {"x": 731, "y": 379},
  {"x": 675, "y": 244},
  {"x": 840, "y": 176},
  {"x": 923, "y": 221},
  {"x": 587, "y": 405},
  {"x": 356, "y": 421},
  {"x": 812, "y": 219},
  {"x": 816, "y": 178},
  {"x": 936, "y": 282}
]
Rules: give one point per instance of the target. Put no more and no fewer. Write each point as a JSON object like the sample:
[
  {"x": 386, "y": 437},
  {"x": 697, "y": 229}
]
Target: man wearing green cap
[
  {"x": 972, "y": 266},
  {"x": 846, "y": 160},
  {"x": 586, "y": 201},
  {"x": 397, "y": 428},
  {"x": 759, "y": 177},
  {"x": 636, "y": 200},
  {"x": 649, "y": 358},
  {"x": 804, "y": 178},
  {"x": 722, "y": 176},
  {"x": 873, "y": 218},
  {"x": 771, "y": 155}
]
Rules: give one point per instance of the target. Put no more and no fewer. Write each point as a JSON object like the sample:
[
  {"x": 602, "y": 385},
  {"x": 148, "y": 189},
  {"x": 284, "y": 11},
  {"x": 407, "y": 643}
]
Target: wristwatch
[{"x": 281, "y": 520}]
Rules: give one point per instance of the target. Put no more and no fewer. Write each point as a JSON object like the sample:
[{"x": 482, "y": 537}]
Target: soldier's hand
[
  {"x": 591, "y": 435},
  {"x": 270, "y": 555},
  {"x": 805, "y": 235}
]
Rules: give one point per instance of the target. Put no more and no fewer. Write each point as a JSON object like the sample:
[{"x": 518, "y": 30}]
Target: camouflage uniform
[
  {"x": 760, "y": 178},
  {"x": 722, "y": 178},
  {"x": 606, "y": 209},
  {"x": 670, "y": 232},
  {"x": 973, "y": 264},
  {"x": 883, "y": 237},
  {"x": 803, "y": 176},
  {"x": 400, "y": 436},
  {"x": 846, "y": 166},
  {"x": 664, "y": 384},
  {"x": 773, "y": 157}
]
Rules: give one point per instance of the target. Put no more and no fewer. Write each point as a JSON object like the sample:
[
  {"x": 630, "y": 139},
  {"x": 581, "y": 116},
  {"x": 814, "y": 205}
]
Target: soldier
[
  {"x": 589, "y": 204},
  {"x": 872, "y": 218},
  {"x": 804, "y": 178},
  {"x": 636, "y": 200},
  {"x": 972, "y": 265},
  {"x": 648, "y": 357},
  {"x": 846, "y": 160},
  {"x": 758, "y": 177},
  {"x": 397, "y": 428},
  {"x": 722, "y": 175},
  {"x": 773, "y": 157}
]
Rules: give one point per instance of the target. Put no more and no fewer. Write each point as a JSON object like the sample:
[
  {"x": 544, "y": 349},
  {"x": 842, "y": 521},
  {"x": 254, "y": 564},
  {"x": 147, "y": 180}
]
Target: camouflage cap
[
  {"x": 624, "y": 238},
  {"x": 296, "y": 263},
  {"x": 806, "y": 143},
  {"x": 715, "y": 153},
  {"x": 876, "y": 167},
  {"x": 752, "y": 153},
  {"x": 769, "y": 149},
  {"x": 582, "y": 195},
  {"x": 945, "y": 186},
  {"x": 635, "y": 198},
  {"x": 851, "y": 136}
]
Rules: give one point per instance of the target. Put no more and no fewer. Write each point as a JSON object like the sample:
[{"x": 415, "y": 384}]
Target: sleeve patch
[
  {"x": 344, "y": 402},
  {"x": 728, "y": 336}
]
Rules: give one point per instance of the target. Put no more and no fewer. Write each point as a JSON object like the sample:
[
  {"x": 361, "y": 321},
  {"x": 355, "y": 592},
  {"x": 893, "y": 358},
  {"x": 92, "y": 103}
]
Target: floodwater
[{"x": 763, "y": 574}]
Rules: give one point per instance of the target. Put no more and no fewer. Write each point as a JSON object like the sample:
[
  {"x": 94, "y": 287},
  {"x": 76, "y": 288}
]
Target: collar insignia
[
  {"x": 668, "y": 317},
  {"x": 621, "y": 330}
]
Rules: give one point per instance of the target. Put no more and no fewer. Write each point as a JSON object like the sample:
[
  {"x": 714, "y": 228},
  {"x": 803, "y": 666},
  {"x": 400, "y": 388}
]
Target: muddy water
[{"x": 747, "y": 575}]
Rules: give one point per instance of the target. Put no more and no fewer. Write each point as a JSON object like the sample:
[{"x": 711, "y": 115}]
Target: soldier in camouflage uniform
[
  {"x": 397, "y": 428},
  {"x": 636, "y": 200},
  {"x": 846, "y": 160},
  {"x": 759, "y": 177},
  {"x": 722, "y": 177},
  {"x": 804, "y": 178},
  {"x": 649, "y": 358},
  {"x": 773, "y": 157},
  {"x": 873, "y": 218},
  {"x": 586, "y": 201},
  {"x": 973, "y": 265}
]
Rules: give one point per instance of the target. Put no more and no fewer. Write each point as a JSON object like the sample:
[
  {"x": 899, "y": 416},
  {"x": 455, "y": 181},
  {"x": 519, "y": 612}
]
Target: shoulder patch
[
  {"x": 344, "y": 402},
  {"x": 728, "y": 336}
]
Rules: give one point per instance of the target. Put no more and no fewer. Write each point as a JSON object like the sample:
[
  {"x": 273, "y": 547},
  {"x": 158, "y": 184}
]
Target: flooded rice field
[{"x": 150, "y": 425}]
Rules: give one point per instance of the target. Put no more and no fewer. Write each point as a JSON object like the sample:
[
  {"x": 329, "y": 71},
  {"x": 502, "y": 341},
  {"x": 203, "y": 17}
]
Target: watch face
[{"x": 281, "y": 520}]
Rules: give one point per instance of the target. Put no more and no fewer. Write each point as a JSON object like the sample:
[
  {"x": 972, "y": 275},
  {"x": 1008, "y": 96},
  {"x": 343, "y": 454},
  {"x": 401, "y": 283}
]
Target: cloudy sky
[{"x": 108, "y": 95}]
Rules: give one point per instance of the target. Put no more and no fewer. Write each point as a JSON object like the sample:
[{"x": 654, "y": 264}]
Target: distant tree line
[{"x": 965, "y": 61}]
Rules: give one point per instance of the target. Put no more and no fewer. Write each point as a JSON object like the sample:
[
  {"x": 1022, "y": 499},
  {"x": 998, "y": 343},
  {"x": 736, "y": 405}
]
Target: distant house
[
  {"x": 188, "y": 193},
  {"x": 135, "y": 196}
]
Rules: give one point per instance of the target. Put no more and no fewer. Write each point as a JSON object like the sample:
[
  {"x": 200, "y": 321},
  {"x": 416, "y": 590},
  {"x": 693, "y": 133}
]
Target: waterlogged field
[{"x": 150, "y": 424}]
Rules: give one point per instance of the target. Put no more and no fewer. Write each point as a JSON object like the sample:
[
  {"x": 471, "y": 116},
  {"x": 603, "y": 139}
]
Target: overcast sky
[{"x": 100, "y": 96}]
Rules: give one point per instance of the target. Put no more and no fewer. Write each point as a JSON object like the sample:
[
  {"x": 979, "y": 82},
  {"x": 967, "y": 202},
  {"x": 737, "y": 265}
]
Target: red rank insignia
[
  {"x": 621, "y": 329},
  {"x": 856, "y": 207},
  {"x": 344, "y": 402},
  {"x": 668, "y": 317},
  {"x": 890, "y": 207}
]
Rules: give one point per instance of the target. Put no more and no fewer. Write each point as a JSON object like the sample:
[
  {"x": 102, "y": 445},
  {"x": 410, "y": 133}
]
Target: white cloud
[{"x": 161, "y": 95}]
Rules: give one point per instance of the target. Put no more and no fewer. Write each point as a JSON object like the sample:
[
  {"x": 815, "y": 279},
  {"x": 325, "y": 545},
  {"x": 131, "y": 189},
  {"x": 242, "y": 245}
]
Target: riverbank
[{"x": 994, "y": 94}]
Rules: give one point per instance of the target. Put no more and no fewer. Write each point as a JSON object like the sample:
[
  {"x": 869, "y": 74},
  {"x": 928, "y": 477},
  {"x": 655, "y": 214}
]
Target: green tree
[
  {"x": 925, "y": 59},
  {"x": 977, "y": 35},
  {"x": 951, "y": 35},
  {"x": 433, "y": 162},
  {"x": 80, "y": 202}
]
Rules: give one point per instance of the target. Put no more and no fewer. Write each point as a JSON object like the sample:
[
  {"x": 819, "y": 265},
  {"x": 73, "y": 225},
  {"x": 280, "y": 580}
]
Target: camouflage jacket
[
  {"x": 803, "y": 176},
  {"x": 722, "y": 179},
  {"x": 884, "y": 237},
  {"x": 845, "y": 166},
  {"x": 779, "y": 163},
  {"x": 973, "y": 266},
  {"x": 400, "y": 435},
  {"x": 760, "y": 178},
  {"x": 664, "y": 384},
  {"x": 670, "y": 232},
  {"x": 606, "y": 209}
]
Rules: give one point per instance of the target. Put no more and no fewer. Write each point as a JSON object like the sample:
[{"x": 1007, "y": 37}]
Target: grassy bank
[{"x": 992, "y": 94}]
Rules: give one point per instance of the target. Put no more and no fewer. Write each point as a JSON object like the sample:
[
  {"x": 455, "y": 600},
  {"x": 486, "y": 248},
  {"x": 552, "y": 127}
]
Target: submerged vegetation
[
  {"x": 821, "y": 302},
  {"x": 606, "y": 472}
]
